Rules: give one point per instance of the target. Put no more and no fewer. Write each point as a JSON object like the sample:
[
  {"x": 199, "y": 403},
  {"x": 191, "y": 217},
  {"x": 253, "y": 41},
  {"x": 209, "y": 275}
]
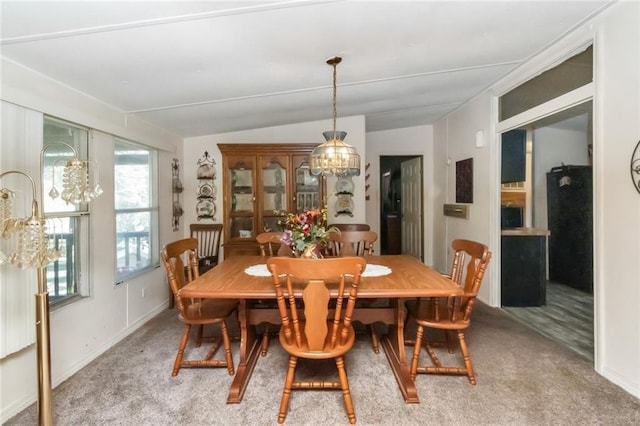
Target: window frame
[
  {"x": 78, "y": 215},
  {"x": 152, "y": 208}
]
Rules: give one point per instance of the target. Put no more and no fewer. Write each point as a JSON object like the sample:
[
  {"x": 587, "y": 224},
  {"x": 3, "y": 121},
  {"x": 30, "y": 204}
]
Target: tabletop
[{"x": 409, "y": 277}]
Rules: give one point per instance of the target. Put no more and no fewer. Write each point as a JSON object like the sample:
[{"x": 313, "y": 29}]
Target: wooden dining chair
[
  {"x": 351, "y": 243},
  {"x": 199, "y": 312},
  {"x": 452, "y": 314},
  {"x": 319, "y": 333},
  {"x": 356, "y": 243},
  {"x": 268, "y": 241},
  {"x": 208, "y": 236},
  {"x": 351, "y": 226}
]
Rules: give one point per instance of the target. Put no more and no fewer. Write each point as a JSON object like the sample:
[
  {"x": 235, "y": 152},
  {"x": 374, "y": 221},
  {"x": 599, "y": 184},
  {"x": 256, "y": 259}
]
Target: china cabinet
[{"x": 261, "y": 184}]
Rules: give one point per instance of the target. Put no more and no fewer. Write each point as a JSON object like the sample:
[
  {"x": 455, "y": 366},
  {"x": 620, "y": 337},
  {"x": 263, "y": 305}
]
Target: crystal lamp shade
[
  {"x": 335, "y": 157},
  {"x": 75, "y": 183}
]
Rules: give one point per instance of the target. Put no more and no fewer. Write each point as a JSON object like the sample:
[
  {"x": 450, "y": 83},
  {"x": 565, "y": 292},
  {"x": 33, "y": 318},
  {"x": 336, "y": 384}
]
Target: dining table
[{"x": 394, "y": 279}]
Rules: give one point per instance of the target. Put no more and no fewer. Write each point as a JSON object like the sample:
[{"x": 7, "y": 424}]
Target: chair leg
[
  {"x": 286, "y": 393},
  {"x": 346, "y": 392},
  {"x": 416, "y": 352},
  {"x": 449, "y": 341},
  {"x": 374, "y": 338},
  {"x": 264, "y": 347},
  {"x": 183, "y": 344},
  {"x": 227, "y": 347},
  {"x": 467, "y": 359},
  {"x": 199, "y": 335}
]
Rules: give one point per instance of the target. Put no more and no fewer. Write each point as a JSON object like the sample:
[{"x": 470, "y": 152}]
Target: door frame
[{"x": 385, "y": 161}]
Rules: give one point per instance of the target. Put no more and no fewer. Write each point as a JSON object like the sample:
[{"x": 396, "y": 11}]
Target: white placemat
[
  {"x": 258, "y": 270},
  {"x": 370, "y": 271},
  {"x": 376, "y": 270}
]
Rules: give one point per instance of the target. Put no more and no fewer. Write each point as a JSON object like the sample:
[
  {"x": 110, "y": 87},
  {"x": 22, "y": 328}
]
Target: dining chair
[
  {"x": 320, "y": 333},
  {"x": 351, "y": 243},
  {"x": 199, "y": 312},
  {"x": 208, "y": 236},
  {"x": 351, "y": 226},
  {"x": 356, "y": 243},
  {"x": 268, "y": 241},
  {"x": 451, "y": 314}
]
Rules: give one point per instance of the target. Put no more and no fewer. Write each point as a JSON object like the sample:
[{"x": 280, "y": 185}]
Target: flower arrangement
[{"x": 306, "y": 229}]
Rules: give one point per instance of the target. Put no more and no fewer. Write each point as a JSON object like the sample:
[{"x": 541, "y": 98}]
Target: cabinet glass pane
[
  {"x": 274, "y": 181},
  {"x": 307, "y": 189},
  {"x": 271, "y": 224},
  {"x": 242, "y": 190},
  {"x": 242, "y": 227}
]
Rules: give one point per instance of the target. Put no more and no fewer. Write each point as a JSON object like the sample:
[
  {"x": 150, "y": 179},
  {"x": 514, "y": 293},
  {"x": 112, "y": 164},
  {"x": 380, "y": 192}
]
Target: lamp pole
[{"x": 43, "y": 349}]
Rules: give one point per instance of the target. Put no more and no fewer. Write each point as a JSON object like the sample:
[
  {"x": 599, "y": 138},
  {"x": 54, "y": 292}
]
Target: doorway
[
  {"x": 401, "y": 215},
  {"x": 559, "y": 168}
]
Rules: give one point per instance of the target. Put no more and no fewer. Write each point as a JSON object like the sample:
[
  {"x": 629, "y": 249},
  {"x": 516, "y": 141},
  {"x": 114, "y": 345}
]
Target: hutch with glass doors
[{"x": 261, "y": 184}]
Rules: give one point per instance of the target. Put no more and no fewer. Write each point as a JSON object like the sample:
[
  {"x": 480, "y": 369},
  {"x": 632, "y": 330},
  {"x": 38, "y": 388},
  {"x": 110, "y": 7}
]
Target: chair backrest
[
  {"x": 208, "y": 236},
  {"x": 180, "y": 259},
  {"x": 351, "y": 226},
  {"x": 351, "y": 243},
  {"x": 470, "y": 262},
  {"x": 268, "y": 241},
  {"x": 313, "y": 274}
]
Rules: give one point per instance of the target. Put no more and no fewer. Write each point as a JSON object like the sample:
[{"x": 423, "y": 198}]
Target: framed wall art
[{"x": 464, "y": 181}]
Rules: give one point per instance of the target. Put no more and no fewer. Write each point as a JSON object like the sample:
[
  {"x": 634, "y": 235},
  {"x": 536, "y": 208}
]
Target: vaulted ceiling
[{"x": 205, "y": 67}]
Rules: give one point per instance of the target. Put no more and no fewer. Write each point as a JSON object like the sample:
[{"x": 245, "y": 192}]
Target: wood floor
[{"x": 566, "y": 318}]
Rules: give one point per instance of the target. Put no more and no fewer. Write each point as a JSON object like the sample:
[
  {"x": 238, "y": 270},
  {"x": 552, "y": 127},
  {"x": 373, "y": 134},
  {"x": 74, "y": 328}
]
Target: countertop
[{"x": 526, "y": 232}]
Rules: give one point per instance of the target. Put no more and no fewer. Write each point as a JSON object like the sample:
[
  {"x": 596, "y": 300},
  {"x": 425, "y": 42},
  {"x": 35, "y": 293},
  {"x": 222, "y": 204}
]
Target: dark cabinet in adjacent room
[
  {"x": 570, "y": 220},
  {"x": 514, "y": 156},
  {"x": 523, "y": 273}
]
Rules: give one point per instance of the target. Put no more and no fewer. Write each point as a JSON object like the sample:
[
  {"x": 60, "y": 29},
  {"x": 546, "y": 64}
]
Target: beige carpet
[{"x": 523, "y": 379}]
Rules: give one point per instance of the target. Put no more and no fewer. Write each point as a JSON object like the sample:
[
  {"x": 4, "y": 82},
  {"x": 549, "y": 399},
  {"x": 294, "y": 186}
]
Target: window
[
  {"x": 135, "y": 175},
  {"x": 573, "y": 73},
  {"x": 67, "y": 224}
]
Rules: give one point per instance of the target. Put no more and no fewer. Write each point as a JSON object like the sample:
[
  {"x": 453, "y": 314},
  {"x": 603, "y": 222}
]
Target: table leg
[
  {"x": 393, "y": 345},
  {"x": 249, "y": 352}
]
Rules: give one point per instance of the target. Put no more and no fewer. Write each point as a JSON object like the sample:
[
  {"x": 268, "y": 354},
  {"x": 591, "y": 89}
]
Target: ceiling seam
[
  {"x": 162, "y": 21},
  {"x": 312, "y": 89}
]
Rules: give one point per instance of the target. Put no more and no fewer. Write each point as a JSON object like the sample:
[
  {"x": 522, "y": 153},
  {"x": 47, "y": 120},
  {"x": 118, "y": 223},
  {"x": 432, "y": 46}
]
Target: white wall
[
  {"x": 406, "y": 141},
  {"x": 457, "y": 133},
  {"x": 310, "y": 132},
  {"x": 616, "y": 204},
  {"x": 84, "y": 329}
]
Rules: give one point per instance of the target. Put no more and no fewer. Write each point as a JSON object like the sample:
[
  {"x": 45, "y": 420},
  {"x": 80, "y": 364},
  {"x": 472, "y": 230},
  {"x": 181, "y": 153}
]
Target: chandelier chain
[{"x": 335, "y": 108}]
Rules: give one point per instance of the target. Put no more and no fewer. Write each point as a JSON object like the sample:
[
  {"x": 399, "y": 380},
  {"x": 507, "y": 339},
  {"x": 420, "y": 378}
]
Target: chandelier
[{"x": 334, "y": 157}]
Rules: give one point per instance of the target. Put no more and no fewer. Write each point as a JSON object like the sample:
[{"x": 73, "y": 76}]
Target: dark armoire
[{"x": 570, "y": 217}]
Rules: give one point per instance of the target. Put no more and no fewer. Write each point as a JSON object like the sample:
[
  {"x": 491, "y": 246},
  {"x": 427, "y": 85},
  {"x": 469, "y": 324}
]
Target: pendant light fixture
[{"x": 334, "y": 157}]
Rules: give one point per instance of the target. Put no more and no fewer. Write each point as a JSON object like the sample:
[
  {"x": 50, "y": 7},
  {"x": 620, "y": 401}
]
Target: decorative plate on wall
[
  {"x": 206, "y": 209},
  {"x": 344, "y": 186},
  {"x": 344, "y": 205},
  {"x": 206, "y": 190}
]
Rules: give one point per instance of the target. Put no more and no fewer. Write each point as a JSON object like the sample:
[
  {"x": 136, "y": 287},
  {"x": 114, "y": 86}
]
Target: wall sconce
[{"x": 29, "y": 248}]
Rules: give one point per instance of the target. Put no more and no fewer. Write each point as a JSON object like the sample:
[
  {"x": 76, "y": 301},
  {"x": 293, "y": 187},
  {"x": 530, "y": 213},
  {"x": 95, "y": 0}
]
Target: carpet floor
[{"x": 523, "y": 379}]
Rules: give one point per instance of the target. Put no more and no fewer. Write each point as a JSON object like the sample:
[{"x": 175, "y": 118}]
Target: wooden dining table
[{"x": 408, "y": 278}]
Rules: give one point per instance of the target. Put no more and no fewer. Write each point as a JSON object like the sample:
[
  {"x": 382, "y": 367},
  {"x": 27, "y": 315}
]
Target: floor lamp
[{"x": 29, "y": 248}]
